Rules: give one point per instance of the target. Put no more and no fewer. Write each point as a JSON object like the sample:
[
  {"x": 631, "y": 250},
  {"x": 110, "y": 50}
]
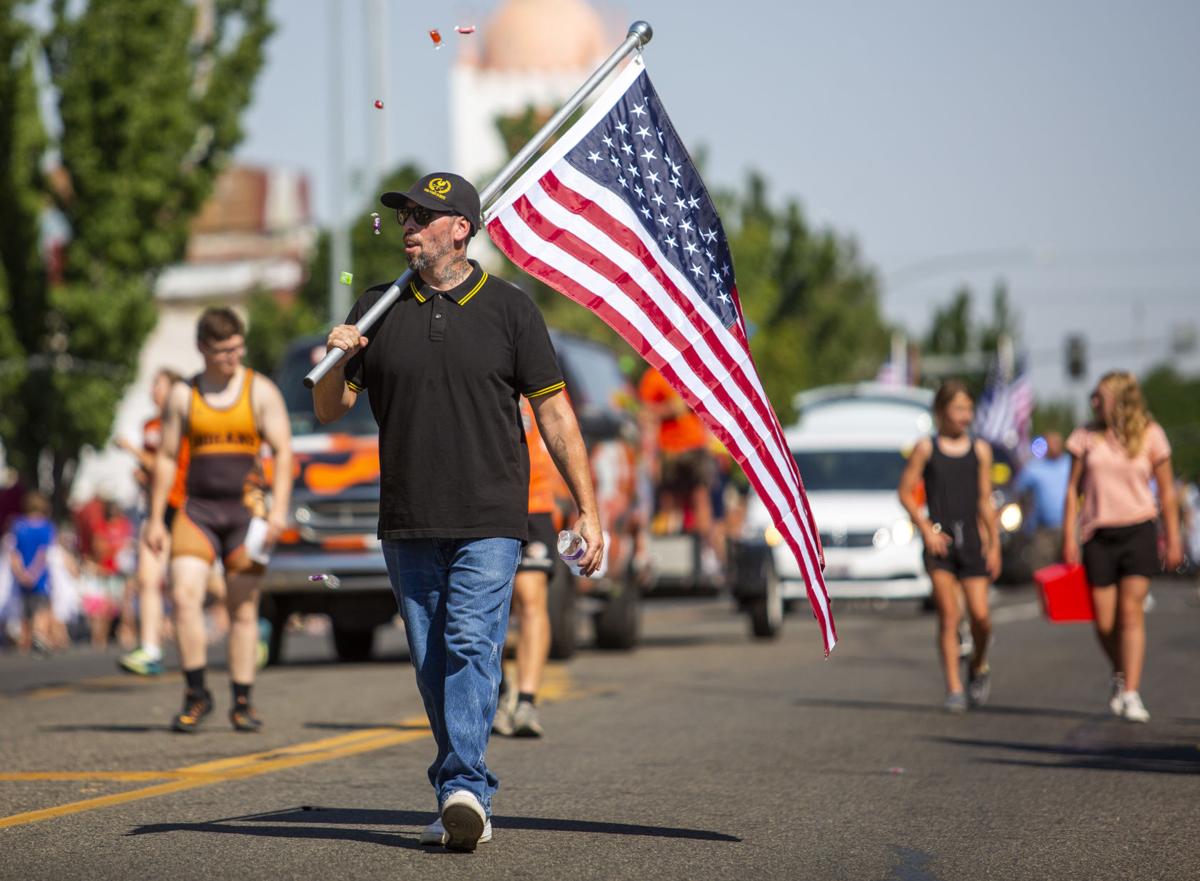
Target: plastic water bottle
[{"x": 572, "y": 547}]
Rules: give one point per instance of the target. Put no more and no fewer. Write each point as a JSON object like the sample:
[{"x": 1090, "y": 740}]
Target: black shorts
[
  {"x": 964, "y": 557},
  {"x": 1114, "y": 552},
  {"x": 32, "y": 603},
  {"x": 169, "y": 516},
  {"x": 539, "y": 552}
]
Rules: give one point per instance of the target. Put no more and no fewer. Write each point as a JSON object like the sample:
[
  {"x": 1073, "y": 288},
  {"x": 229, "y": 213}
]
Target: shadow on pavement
[
  {"x": 108, "y": 729},
  {"x": 311, "y": 821},
  {"x": 362, "y": 726},
  {"x": 936, "y": 708},
  {"x": 1146, "y": 758}
]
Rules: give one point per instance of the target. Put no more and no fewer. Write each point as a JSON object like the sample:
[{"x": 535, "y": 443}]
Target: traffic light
[{"x": 1076, "y": 356}]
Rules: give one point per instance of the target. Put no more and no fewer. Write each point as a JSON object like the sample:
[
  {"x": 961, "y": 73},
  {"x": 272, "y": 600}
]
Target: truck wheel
[
  {"x": 561, "y": 603},
  {"x": 618, "y": 625},
  {"x": 353, "y": 645},
  {"x": 766, "y": 611}
]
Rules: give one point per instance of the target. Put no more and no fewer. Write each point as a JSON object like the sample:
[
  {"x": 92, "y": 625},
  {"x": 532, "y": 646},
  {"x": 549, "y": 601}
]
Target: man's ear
[{"x": 462, "y": 230}]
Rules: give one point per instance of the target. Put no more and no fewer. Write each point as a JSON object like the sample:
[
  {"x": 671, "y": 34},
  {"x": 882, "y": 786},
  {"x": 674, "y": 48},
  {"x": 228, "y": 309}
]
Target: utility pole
[{"x": 339, "y": 256}]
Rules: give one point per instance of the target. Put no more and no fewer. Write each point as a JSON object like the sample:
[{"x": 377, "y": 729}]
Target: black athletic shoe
[
  {"x": 243, "y": 717},
  {"x": 196, "y": 705}
]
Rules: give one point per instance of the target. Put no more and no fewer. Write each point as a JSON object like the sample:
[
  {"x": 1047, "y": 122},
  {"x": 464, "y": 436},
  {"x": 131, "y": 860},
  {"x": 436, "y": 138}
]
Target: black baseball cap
[{"x": 440, "y": 191}]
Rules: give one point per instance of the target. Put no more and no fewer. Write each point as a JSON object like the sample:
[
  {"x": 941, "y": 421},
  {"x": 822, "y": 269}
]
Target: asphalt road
[{"x": 701, "y": 755}]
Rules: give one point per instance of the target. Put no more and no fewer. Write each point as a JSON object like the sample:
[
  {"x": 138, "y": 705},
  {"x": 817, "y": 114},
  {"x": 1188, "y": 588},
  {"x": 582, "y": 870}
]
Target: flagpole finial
[{"x": 643, "y": 32}]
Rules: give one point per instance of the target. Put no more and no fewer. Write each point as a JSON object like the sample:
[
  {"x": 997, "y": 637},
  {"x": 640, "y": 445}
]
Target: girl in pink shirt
[{"x": 1114, "y": 459}]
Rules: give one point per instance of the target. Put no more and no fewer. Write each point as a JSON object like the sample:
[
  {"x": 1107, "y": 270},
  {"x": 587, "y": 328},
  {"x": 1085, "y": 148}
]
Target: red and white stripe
[{"x": 581, "y": 239}]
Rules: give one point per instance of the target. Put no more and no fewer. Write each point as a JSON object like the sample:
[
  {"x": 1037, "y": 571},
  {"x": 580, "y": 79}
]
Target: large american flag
[{"x": 615, "y": 217}]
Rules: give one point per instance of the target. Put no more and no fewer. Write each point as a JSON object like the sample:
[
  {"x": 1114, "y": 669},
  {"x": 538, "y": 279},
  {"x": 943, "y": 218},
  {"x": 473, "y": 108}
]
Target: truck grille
[
  {"x": 339, "y": 517},
  {"x": 847, "y": 539}
]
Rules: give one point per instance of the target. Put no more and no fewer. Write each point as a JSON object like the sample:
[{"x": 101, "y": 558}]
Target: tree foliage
[
  {"x": 1175, "y": 402},
  {"x": 148, "y": 106},
  {"x": 954, "y": 330}
]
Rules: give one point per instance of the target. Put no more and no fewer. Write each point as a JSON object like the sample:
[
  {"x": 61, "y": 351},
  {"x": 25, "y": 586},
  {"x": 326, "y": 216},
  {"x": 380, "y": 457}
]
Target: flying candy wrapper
[
  {"x": 436, "y": 36},
  {"x": 347, "y": 278},
  {"x": 378, "y": 104},
  {"x": 465, "y": 28},
  {"x": 376, "y": 223},
  {"x": 331, "y": 581}
]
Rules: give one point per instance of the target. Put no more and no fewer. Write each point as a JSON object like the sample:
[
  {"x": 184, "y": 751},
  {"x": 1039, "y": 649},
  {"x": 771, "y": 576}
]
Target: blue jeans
[{"x": 454, "y": 595}]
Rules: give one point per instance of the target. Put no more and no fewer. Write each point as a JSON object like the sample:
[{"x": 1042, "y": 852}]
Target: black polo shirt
[{"x": 444, "y": 370}]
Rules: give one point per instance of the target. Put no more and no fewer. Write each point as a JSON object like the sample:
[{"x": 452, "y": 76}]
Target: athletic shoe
[
  {"x": 956, "y": 702},
  {"x": 1118, "y": 688},
  {"x": 525, "y": 722},
  {"x": 464, "y": 820},
  {"x": 503, "y": 723},
  {"x": 435, "y": 833},
  {"x": 196, "y": 705},
  {"x": 141, "y": 663},
  {"x": 243, "y": 718},
  {"x": 1132, "y": 708},
  {"x": 979, "y": 686}
]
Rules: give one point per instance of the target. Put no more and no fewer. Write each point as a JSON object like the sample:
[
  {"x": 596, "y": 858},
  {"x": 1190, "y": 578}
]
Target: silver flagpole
[{"x": 638, "y": 36}]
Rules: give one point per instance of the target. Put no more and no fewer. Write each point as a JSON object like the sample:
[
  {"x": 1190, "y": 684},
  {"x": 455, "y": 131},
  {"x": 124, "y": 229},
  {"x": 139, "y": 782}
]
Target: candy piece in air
[
  {"x": 465, "y": 28},
  {"x": 436, "y": 36},
  {"x": 347, "y": 278},
  {"x": 378, "y": 104}
]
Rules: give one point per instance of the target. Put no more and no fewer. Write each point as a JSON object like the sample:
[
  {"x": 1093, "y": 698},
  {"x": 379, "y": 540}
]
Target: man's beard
[{"x": 428, "y": 257}]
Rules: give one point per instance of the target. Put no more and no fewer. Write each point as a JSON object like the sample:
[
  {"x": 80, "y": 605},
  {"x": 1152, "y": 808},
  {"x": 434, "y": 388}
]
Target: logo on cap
[{"x": 439, "y": 187}]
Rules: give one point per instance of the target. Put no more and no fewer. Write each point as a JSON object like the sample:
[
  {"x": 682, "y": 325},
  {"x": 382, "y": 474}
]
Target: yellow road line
[{"x": 556, "y": 687}]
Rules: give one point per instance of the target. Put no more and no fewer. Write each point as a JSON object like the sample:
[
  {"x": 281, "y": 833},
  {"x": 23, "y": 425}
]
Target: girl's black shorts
[{"x": 1114, "y": 552}]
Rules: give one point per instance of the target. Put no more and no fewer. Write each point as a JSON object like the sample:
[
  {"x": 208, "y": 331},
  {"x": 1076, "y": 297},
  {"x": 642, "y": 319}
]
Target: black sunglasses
[{"x": 422, "y": 215}]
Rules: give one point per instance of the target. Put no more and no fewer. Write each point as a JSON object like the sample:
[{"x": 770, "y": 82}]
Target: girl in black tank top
[{"x": 962, "y": 541}]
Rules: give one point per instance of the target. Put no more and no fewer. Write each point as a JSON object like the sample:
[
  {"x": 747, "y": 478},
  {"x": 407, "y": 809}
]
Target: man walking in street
[
  {"x": 225, "y": 413},
  {"x": 1046, "y": 479},
  {"x": 444, "y": 370}
]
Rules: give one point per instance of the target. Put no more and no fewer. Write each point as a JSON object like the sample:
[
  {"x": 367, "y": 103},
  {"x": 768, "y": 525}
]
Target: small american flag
[
  {"x": 1005, "y": 410},
  {"x": 615, "y": 217}
]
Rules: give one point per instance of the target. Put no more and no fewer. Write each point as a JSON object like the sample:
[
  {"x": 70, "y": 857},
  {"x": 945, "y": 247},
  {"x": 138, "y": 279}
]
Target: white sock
[{"x": 153, "y": 651}]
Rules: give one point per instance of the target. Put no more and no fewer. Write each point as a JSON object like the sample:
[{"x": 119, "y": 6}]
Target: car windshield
[
  {"x": 593, "y": 373},
  {"x": 290, "y": 379},
  {"x": 850, "y": 470}
]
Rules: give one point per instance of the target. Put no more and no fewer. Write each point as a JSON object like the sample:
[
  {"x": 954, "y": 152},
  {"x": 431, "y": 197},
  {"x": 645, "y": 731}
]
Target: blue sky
[{"x": 1052, "y": 144}]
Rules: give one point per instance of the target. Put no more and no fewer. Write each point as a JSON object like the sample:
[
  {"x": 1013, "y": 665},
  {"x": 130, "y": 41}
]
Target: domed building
[{"x": 530, "y": 53}]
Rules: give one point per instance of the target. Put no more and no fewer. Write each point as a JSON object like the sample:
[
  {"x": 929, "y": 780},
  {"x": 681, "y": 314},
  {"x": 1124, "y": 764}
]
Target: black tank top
[{"x": 952, "y": 486}]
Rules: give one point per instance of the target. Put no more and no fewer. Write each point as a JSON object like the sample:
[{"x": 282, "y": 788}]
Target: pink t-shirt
[{"x": 1116, "y": 488}]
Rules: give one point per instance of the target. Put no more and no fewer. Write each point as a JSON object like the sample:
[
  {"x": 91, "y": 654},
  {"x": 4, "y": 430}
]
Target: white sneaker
[
  {"x": 435, "y": 833},
  {"x": 1132, "y": 708},
  {"x": 1117, "y": 689},
  {"x": 464, "y": 820}
]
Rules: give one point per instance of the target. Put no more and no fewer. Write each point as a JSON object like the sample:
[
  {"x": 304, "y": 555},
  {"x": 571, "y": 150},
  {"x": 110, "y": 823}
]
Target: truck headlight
[
  {"x": 903, "y": 532},
  {"x": 1011, "y": 517},
  {"x": 882, "y": 537},
  {"x": 772, "y": 536},
  {"x": 302, "y": 514}
]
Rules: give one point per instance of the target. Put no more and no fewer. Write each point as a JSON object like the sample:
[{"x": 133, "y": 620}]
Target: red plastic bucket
[{"x": 1066, "y": 594}]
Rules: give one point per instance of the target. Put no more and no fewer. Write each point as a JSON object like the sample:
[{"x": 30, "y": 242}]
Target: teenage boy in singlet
[{"x": 225, "y": 413}]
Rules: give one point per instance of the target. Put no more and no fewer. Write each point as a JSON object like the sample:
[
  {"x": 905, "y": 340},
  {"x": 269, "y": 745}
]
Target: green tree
[
  {"x": 150, "y": 93},
  {"x": 1175, "y": 402},
  {"x": 953, "y": 330}
]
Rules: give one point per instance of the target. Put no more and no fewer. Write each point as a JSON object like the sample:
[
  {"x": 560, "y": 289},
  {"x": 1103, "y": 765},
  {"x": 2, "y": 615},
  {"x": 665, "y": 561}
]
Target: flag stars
[
  {"x": 659, "y": 132},
  {"x": 708, "y": 254},
  {"x": 725, "y": 269},
  {"x": 608, "y": 142},
  {"x": 677, "y": 184},
  {"x": 645, "y": 212},
  {"x": 697, "y": 270},
  {"x": 622, "y": 128},
  {"x": 675, "y": 169},
  {"x": 640, "y": 192},
  {"x": 632, "y": 169},
  {"x": 724, "y": 297},
  {"x": 627, "y": 150},
  {"x": 658, "y": 200},
  {"x": 689, "y": 247},
  {"x": 643, "y": 132},
  {"x": 614, "y": 160},
  {"x": 624, "y": 183},
  {"x": 664, "y": 220},
  {"x": 639, "y": 110},
  {"x": 693, "y": 202},
  {"x": 594, "y": 157},
  {"x": 709, "y": 236},
  {"x": 686, "y": 224},
  {"x": 671, "y": 240},
  {"x": 648, "y": 154},
  {"x": 680, "y": 204},
  {"x": 652, "y": 177},
  {"x": 716, "y": 275}
]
